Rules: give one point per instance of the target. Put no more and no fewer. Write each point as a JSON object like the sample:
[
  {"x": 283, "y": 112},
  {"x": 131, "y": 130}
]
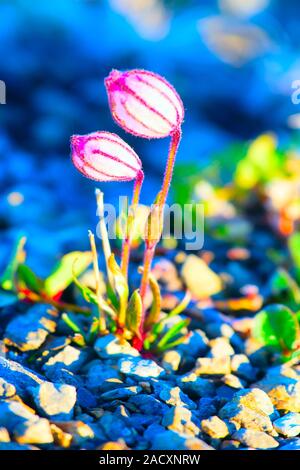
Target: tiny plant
[
  {"x": 145, "y": 105},
  {"x": 277, "y": 328}
]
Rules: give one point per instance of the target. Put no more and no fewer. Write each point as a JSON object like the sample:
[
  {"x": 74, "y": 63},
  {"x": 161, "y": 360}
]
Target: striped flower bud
[
  {"x": 144, "y": 103},
  {"x": 103, "y": 156}
]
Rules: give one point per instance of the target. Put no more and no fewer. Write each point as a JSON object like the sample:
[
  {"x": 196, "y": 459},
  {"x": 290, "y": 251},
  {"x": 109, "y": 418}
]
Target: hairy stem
[
  {"x": 127, "y": 240},
  {"x": 175, "y": 140},
  {"x": 150, "y": 248}
]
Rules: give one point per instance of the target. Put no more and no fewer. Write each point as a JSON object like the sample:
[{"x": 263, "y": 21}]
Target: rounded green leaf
[{"x": 276, "y": 326}]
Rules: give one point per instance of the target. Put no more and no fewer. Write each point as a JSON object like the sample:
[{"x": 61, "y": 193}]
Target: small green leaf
[
  {"x": 7, "y": 280},
  {"x": 29, "y": 279},
  {"x": 158, "y": 327},
  {"x": 93, "y": 330},
  {"x": 172, "y": 333},
  {"x": 134, "y": 313},
  {"x": 121, "y": 287},
  {"x": 276, "y": 326},
  {"x": 154, "y": 314},
  {"x": 181, "y": 306},
  {"x": 173, "y": 344},
  {"x": 71, "y": 324},
  {"x": 91, "y": 297},
  {"x": 87, "y": 293},
  {"x": 62, "y": 275}
]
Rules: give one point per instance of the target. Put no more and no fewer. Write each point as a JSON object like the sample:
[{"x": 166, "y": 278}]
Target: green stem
[
  {"x": 147, "y": 263},
  {"x": 102, "y": 322},
  {"x": 104, "y": 234}
]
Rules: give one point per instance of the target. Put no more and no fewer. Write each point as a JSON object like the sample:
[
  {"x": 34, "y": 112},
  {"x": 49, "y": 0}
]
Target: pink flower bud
[
  {"x": 103, "y": 156},
  {"x": 144, "y": 103}
]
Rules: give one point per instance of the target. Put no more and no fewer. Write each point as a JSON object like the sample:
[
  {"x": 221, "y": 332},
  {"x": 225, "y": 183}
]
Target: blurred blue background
[{"x": 232, "y": 61}]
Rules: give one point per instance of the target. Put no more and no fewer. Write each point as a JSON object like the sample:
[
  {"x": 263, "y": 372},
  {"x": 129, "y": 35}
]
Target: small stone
[
  {"x": 148, "y": 405},
  {"x": 61, "y": 438},
  {"x": 220, "y": 347},
  {"x": 288, "y": 425},
  {"x": 171, "y": 440},
  {"x": 283, "y": 391},
  {"x": 52, "y": 346},
  {"x": 286, "y": 371},
  {"x": 18, "y": 376},
  {"x": 7, "y": 390},
  {"x": 78, "y": 431},
  {"x": 195, "y": 386},
  {"x": 179, "y": 419},
  {"x": 110, "y": 346},
  {"x": 140, "y": 368},
  {"x": 28, "y": 332},
  {"x": 241, "y": 366},
  {"x": 69, "y": 358},
  {"x": 245, "y": 417},
  {"x": 34, "y": 432},
  {"x": 100, "y": 377},
  {"x": 64, "y": 376},
  {"x": 217, "y": 329},
  {"x": 171, "y": 360},
  {"x": 233, "y": 381},
  {"x": 120, "y": 393},
  {"x": 212, "y": 366},
  {"x": 254, "y": 399},
  {"x": 13, "y": 413},
  {"x": 215, "y": 427},
  {"x": 195, "y": 345},
  {"x": 55, "y": 401},
  {"x": 172, "y": 396},
  {"x": 115, "y": 428},
  {"x": 214, "y": 330},
  {"x": 4, "y": 435},
  {"x": 26, "y": 427},
  {"x": 201, "y": 281},
  {"x": 255, "y": 439}
]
